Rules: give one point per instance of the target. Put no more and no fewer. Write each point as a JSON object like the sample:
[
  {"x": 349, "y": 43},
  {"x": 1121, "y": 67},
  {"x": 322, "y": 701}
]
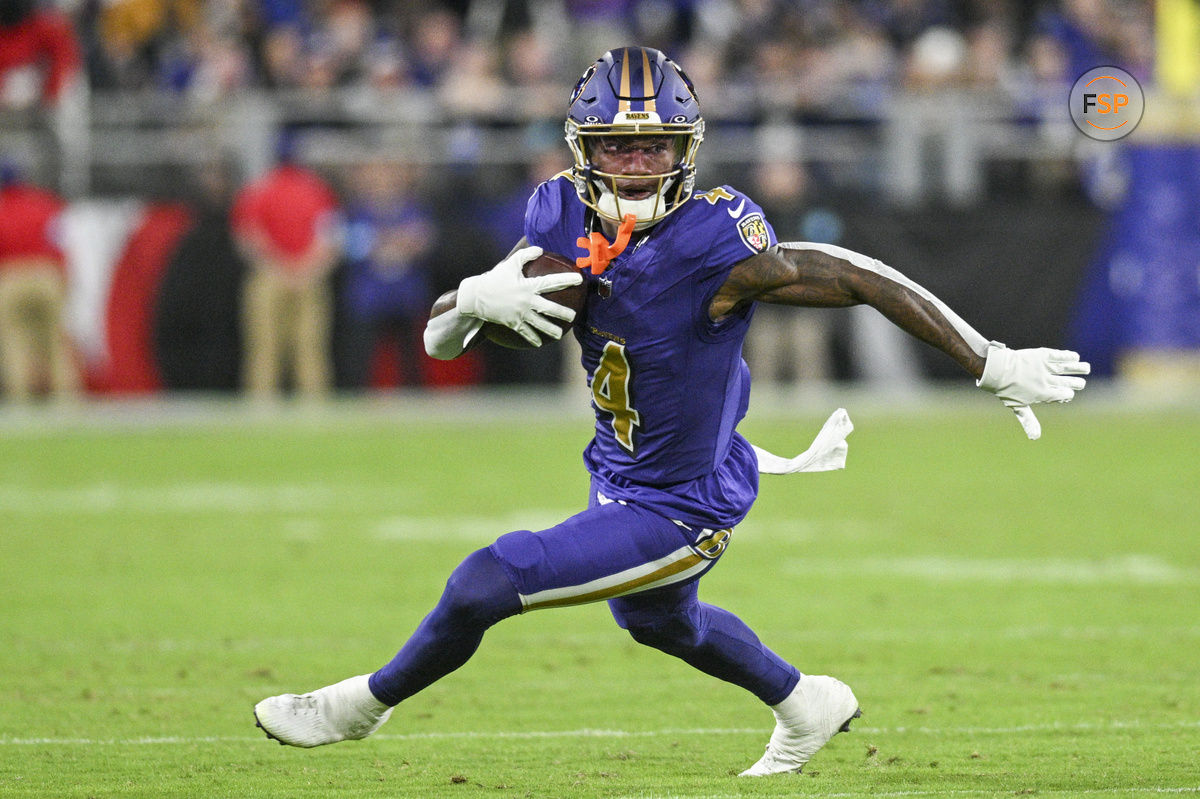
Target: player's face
[{"x": 635, "y": 155}]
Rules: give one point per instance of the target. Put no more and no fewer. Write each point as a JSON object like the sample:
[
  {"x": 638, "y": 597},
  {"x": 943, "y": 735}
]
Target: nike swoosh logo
[{"x": 736, "y": 212}]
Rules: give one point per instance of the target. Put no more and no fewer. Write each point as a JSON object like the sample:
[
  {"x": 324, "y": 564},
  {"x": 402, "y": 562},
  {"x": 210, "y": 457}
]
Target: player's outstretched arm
[
  {"x": 821, "y": 275},
  {"x": 502, "y": 295}
]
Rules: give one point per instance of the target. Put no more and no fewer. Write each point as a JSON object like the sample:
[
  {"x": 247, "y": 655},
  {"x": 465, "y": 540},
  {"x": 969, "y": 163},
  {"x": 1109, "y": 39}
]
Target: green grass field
[{"x": 1016, "y": 617}]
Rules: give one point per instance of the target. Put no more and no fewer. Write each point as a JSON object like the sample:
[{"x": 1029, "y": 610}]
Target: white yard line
[
  {"x": 483, "y": 529},
  {"x": 1134, "y": 568},
  {"x": 106, "y": 498}
]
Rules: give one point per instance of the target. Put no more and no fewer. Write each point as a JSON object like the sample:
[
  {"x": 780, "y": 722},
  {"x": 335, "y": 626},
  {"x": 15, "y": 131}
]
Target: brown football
[{"x": 572, "y": 297}]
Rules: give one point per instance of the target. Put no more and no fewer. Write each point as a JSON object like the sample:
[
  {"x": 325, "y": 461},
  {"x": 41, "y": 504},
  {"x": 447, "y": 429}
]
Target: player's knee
[
  {"x": 478, "y": 593},
  {"x": 669, "y": 635},
  {"x": 460, "y": 606}
]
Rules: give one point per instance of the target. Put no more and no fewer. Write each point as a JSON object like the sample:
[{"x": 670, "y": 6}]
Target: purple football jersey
[{"x": 669, "y": 386}]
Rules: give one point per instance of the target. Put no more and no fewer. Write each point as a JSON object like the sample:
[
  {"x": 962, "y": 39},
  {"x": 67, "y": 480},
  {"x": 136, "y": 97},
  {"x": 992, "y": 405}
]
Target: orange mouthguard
[{"x": 600, "y": 252}]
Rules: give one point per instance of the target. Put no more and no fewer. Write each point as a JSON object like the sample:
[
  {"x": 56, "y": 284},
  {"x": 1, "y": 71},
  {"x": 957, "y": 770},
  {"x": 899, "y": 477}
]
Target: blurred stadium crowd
[{"x": 429, "y": 123}]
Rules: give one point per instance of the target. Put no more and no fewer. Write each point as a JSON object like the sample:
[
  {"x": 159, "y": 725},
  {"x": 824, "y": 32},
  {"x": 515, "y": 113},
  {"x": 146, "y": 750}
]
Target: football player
[{"x": 674, "y": 276}]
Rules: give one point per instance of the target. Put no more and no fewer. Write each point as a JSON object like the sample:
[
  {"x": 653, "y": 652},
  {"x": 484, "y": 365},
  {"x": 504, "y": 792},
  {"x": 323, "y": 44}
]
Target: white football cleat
[
  {"x": 817, "y": 709},
  {"x": 340, "y": 712}
]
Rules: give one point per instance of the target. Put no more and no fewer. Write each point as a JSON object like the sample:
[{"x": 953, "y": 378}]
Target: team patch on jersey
[{"x": 753, "y": 230}]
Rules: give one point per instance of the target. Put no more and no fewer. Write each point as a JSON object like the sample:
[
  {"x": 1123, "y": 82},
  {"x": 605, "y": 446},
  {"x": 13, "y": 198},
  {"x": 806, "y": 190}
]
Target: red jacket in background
[
  {"x": 289, "y": 207},
  {"x": 29, "y": 224},
  {"x": 44, "y": 40}
]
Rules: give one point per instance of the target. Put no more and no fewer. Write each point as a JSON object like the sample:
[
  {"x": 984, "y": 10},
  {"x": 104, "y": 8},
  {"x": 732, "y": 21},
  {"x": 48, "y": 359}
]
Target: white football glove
[
  {"x": 505, "y": 296},
  {"x": 1020, "y": 378}
]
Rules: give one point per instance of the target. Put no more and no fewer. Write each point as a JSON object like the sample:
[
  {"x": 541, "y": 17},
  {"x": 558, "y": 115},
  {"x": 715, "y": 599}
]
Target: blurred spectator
[
  {"x": 135, "y": 34},
  {"x": 989, "y": 64},
  {"x": 532, "y": 65},
  {"x": 286, "y": 229},
  {"x": 39, "y": 55},
  {"x": 280, "y": 12},
  {"x": 389, "y": 236},
  {"x": 208, "y": 62},
  {"x": 436, "y": 45},
  {"x": 386, "y": 66},
  {"x": 906, "y": 20},
  {"x": 791, "y": 344},
  {"x": 197, "y": 336},
  {"x": 1084, "y": 29},
  {"x": 597, "y": 25},
  {"x": 34, "y": 348},
  {"x": 938, "y": 59},
  {"x": 347, "y": 33},
  {"x": 283, "y": 57},
  {"x": 472, "y": 85}
]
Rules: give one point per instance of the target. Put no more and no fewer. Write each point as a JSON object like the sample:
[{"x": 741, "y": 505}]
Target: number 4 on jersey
[{"x": 610, "y": 393}]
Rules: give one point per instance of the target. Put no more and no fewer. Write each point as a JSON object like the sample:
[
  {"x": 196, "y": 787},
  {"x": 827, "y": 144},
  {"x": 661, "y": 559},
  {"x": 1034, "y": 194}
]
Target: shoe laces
[{"x": 305, "y": 703}]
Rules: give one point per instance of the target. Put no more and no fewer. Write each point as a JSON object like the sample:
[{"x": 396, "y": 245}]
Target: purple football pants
[{"x": 646, "y": 566}]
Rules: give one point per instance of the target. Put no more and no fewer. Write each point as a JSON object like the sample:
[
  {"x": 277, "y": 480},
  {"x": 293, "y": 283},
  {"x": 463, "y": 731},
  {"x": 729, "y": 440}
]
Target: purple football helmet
[{"x": 634, "y": 91}]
